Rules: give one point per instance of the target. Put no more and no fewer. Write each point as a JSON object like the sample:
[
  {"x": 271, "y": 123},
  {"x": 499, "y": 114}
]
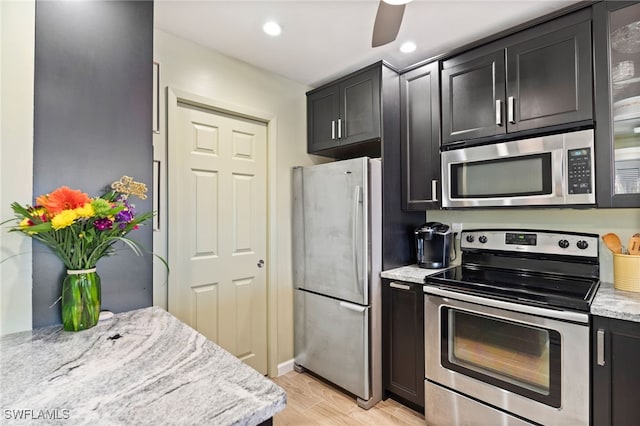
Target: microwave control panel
[{"x": 579, "y": 170}]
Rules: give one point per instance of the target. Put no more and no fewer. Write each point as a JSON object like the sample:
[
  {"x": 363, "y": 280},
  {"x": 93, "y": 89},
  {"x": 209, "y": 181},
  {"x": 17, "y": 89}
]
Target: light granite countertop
[
  {"x": 409, "y": 273},
  {"x": 159, "y": 371},
  {"x": 613, "y": 303},
  {"x": 609, "y": 302}
]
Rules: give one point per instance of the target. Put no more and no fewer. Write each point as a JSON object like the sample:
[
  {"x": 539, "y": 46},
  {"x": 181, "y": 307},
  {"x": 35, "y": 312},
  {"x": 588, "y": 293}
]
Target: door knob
[{"x": 260, "y": 263}]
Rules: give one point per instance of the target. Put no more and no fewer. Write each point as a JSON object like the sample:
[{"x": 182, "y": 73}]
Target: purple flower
[
  {"x": 124, "y": 217},
  {"x": 103, "y": 224},
  {"x": 131, "y": 208}
]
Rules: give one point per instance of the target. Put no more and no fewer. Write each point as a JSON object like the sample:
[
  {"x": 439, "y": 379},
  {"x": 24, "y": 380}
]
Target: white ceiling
[{"x": 324, "y": 39}]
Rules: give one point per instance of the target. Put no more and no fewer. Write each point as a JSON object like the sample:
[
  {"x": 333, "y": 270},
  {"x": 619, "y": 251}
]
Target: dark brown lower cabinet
[
  {"x": 403, "y": 342},
  {"x": 616, "y": 372}
]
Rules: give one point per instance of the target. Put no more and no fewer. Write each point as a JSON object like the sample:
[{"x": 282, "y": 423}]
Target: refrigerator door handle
[
  {"x": 352, "y": 307},
  {"x": 354, "y": 234}
]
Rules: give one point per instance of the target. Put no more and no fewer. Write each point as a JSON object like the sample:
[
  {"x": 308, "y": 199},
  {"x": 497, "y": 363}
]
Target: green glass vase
[{"x": 80, "y": 299}]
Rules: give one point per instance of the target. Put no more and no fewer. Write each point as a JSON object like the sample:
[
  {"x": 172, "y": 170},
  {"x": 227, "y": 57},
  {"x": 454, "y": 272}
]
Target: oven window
[
  {"x": 514, "y": 356},
  {"x": 505, "y": 177}
]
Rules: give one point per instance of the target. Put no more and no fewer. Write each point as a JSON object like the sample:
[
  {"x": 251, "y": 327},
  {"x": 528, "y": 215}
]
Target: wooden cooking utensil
[
  {"x": 634, "y": 244},
  {"x": 613, "y": 242}
]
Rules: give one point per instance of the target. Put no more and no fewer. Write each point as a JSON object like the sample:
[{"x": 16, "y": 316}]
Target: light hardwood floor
[{"x": 313, "y": 402}]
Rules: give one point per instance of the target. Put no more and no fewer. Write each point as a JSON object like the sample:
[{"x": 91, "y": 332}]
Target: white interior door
[{"x": 218, "y": 229}]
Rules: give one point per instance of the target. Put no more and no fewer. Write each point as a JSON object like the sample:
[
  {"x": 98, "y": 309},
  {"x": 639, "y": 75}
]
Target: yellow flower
[
  {"x": 85, "y": 211},
  {"x": 25, "y": 224},
  {"x": 63, "y": 219}
]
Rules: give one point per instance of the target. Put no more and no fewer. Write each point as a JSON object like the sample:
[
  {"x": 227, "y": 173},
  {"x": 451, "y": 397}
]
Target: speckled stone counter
[
  {"x": 609, "y": 302},
  {"x": 410, "y": 273},
  {"x": 159, "y": 371},
  {"x": 613, "y": 303}
]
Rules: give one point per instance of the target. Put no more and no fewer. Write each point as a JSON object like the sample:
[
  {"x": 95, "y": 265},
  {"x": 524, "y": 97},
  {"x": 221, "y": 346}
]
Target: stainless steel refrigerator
[{"x": 337, "y": 213}]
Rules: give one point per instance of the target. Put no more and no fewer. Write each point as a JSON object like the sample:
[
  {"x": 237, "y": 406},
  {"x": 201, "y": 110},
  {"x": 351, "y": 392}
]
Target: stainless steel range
[{"x": 507, "y": 331}]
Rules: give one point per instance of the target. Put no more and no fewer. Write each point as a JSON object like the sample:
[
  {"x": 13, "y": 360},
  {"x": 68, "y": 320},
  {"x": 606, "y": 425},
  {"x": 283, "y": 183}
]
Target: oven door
[{"x": 528, "y": 365}]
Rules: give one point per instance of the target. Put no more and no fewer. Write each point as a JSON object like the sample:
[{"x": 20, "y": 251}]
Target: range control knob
[
  {"x": 470, "y": 238},
  {"x": 482, "y": 239},
  {"x": 582, "y": 244},
  {"x": 563, "y": 244}
]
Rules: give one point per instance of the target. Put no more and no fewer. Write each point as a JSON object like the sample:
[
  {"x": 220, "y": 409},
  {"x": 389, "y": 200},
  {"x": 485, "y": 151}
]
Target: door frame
[{"x": 175, "y": 96}]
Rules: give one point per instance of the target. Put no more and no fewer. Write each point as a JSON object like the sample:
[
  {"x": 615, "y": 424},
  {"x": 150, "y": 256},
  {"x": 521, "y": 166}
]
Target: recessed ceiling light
[
  {"x": 396, "y": 1},
  {"x": 408, "y": 47},
  {"x": 272, "y": 28}
]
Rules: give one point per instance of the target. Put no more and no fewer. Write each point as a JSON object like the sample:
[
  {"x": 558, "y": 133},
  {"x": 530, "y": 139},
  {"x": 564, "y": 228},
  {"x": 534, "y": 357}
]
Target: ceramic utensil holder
[{"x": 626, "y": 272}]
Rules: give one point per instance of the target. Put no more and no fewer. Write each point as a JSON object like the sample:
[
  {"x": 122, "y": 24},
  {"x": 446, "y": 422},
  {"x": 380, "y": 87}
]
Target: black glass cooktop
[{"x": 547, "y": 290}]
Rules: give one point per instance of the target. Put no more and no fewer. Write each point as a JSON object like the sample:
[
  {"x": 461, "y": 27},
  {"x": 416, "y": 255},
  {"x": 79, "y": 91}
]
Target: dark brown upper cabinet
[
  {"x": 473, "y": 97},
  {"x": 345, "y": 112},
  {"x": 549, "y": 79},
  {"x": 537, "y": 78},
  {"x": 420, "y": 137},
  {"x": 616, "y": 27},
  {"x": 323, "y": 110}
]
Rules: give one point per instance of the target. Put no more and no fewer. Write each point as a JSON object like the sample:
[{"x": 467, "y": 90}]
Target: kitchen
[{"x": 290, "y": 111}]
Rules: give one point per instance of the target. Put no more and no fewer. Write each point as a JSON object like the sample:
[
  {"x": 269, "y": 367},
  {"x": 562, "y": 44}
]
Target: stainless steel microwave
[{"x": 554, "y": 170}]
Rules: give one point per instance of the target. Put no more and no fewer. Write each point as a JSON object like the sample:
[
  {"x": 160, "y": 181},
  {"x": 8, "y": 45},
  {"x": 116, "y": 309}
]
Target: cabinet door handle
[
  {"x": 498, "y": 112},
  {"x": 339, "y": 128},
  {"x": 400, "y": 286},
  {"x": 511, "y": 110},
  {"x": 600, "y": 347},
  {"x": 333, "y": 129},
  {"x": 434, "y": 190}
]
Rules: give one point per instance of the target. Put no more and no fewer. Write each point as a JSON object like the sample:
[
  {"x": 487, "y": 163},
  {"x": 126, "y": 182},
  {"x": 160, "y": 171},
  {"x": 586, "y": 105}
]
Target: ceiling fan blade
[{"x": 387, "y": 24}]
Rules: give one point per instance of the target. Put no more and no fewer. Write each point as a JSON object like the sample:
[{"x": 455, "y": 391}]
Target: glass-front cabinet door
[
  {"x": 624, "y": 36},
  {"x": 617, "y": 45}
]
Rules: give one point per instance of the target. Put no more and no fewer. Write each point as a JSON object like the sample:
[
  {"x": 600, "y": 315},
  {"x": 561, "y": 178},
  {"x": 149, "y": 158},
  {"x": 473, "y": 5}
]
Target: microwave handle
[{"x": 498, "y": 112}]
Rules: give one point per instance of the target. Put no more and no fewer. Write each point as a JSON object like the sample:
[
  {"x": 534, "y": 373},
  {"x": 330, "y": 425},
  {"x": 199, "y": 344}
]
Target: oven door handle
[{"x": 500, "y": 304}]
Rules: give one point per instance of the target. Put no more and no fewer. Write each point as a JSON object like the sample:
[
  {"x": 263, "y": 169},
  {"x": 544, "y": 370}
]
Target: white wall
[
  {"x": 624, "y": 222},
  {"x": 17, "y": 38},
  {"x": 189, "y": 67}
]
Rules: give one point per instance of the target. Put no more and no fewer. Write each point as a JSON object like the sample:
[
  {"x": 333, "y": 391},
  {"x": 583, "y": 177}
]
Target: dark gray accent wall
[{"x": 92, "y": 125}]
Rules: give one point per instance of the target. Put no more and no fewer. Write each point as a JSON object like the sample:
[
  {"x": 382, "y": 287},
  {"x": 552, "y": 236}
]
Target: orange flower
[
  {"x": 64, "y": 198},
  {"x": 42, "y": 200}
]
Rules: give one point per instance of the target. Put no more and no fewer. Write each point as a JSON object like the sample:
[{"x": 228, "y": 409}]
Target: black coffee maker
[{"x": 433, "y": 245}]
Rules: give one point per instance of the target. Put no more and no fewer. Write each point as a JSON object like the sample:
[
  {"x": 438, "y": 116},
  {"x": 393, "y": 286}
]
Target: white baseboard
[{"x": 285, "y": 367}]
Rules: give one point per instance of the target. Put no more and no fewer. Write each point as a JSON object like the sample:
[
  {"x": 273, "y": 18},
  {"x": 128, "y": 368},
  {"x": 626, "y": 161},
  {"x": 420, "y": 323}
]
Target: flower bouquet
[{"x": 81, "y": 230}]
